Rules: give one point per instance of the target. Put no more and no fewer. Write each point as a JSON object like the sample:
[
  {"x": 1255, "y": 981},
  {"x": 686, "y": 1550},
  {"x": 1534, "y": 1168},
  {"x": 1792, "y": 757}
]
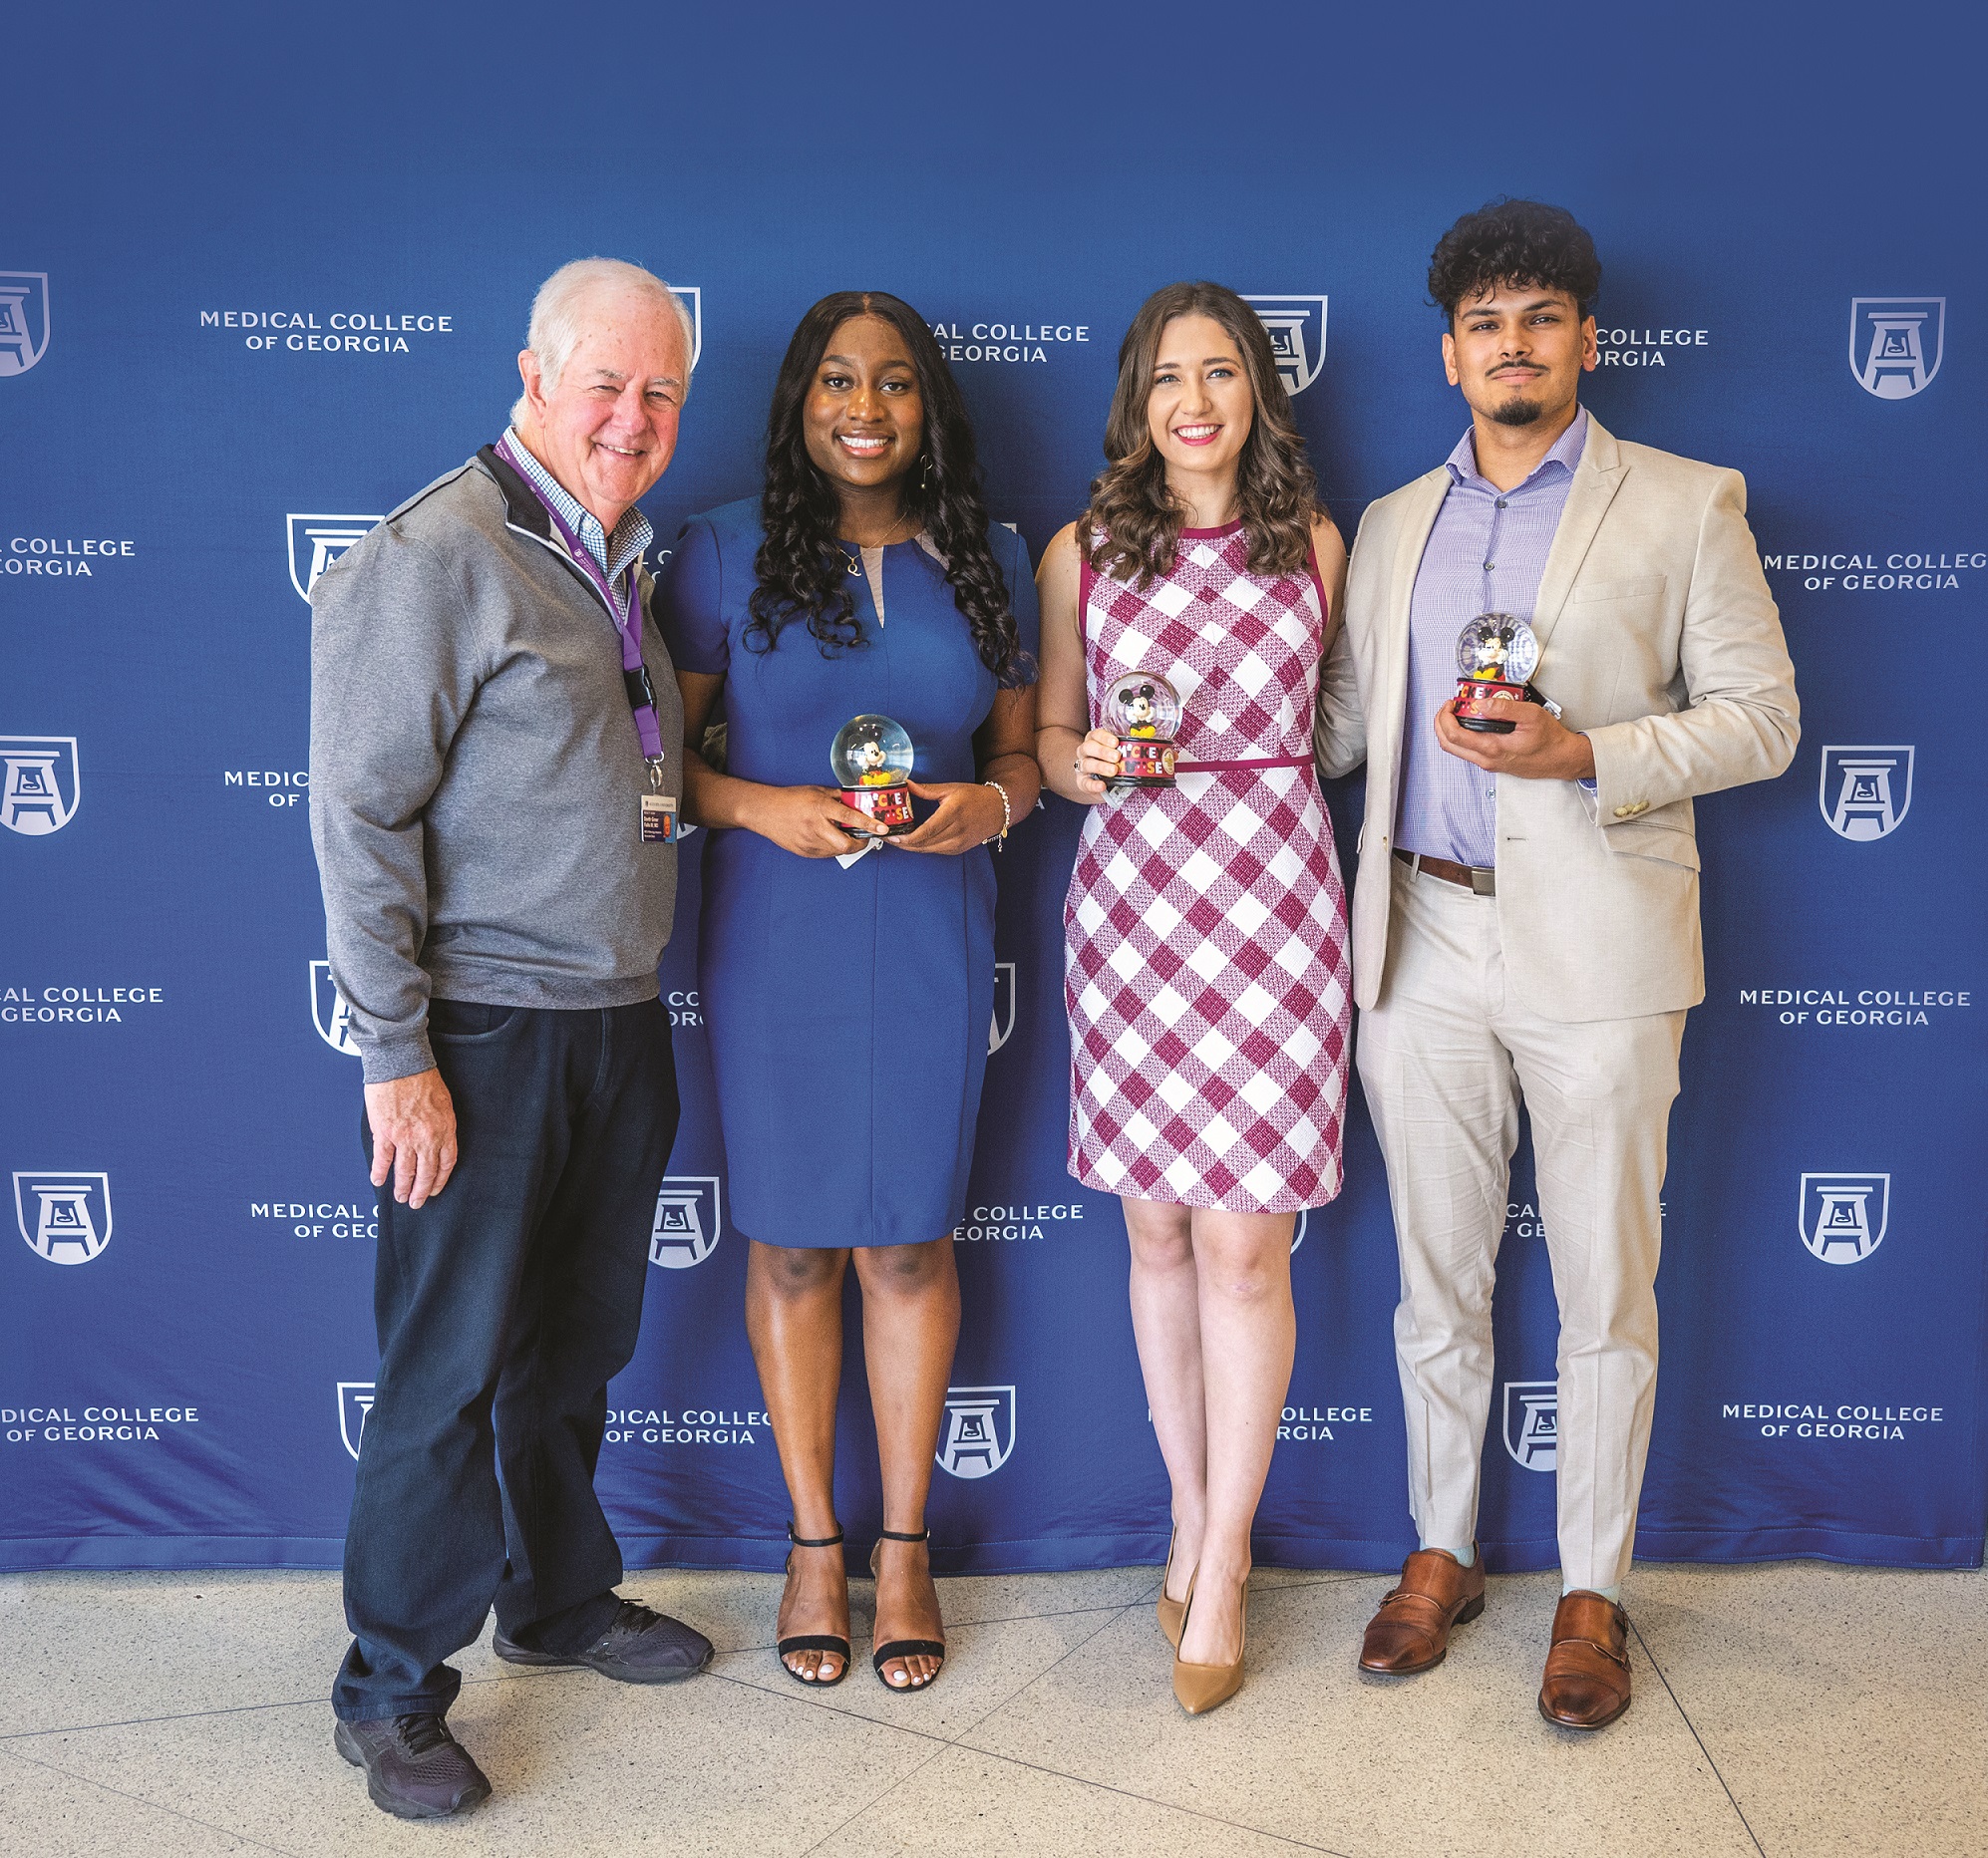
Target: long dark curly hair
[
  {"x": 802, "y": 571},
  {"x": 1132, "y": 530}
]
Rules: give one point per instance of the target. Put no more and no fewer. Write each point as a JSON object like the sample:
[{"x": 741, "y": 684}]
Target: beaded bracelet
[{"x": 1006, "y": 813}]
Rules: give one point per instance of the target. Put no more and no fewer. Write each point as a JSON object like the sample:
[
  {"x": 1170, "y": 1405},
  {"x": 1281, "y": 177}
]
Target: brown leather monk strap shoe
[
  {"x": 1411, "y": 1631},
  {"x": 1588, "y": 1669}
]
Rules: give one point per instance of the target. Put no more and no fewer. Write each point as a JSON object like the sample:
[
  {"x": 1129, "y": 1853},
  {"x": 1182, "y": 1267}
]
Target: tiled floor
[{"x": 1797, "y": 1711}]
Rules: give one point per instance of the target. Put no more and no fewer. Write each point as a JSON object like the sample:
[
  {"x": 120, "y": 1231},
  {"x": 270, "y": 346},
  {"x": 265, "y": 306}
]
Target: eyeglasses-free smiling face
[
  {"x": 607, "y": 427},
  {"x": 1518, "y": 353},
  {"x": 1201, "y": 409},
  {"x": 863, "y": 420}
]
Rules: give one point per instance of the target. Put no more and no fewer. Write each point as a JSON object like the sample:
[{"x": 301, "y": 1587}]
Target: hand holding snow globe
[
  {"x": 1143, "y": 713},
  {"x": 872, "y": 759},
  {"x": 1496, "y": 653}
]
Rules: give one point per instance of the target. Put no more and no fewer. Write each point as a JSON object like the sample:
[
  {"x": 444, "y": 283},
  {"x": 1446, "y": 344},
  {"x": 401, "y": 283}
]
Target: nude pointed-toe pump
[
  {"x": 1172, "y": 1612},
  {"x": 1202, "y": 1688}
]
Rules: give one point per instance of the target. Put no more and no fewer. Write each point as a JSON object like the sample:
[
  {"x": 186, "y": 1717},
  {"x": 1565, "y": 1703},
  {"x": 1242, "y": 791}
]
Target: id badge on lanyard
[
  {"x": 658, "y": 823},
  {"x": 658, "y": 810},
  {"x": 659, "y": 817}
]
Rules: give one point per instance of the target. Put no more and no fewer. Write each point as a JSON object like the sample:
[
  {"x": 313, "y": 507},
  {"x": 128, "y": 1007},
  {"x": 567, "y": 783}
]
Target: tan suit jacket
[{"x": 1658, "y": 638}]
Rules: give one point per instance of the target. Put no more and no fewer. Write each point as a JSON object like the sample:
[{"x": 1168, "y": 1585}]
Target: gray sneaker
[
  {"x": 415, "y": 1769},
  {"x": 641, "y": 1647}
]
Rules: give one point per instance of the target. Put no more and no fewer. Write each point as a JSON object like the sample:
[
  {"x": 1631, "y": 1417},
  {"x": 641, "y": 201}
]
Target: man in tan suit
[{"x": 1526, "y": 923}]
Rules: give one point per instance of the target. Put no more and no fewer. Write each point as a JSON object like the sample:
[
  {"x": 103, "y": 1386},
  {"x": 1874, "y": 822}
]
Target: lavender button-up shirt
[{"x": 1485, "y": 555}]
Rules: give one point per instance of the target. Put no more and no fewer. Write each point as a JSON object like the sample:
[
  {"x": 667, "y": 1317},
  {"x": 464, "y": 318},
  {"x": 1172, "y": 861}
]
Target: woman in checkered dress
[{"x": 1205, "y": 927}]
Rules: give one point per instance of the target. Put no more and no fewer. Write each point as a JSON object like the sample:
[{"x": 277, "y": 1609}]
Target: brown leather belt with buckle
[{"x": 1480, "y": 880}]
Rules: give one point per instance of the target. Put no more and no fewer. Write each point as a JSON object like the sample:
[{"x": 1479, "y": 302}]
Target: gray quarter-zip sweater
[{"x": 476, "y": 775}]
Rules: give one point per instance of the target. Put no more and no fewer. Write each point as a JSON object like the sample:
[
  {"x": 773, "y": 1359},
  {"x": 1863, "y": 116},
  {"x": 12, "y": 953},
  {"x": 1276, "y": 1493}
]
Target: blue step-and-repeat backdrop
[{"x": 265, "y": 273}]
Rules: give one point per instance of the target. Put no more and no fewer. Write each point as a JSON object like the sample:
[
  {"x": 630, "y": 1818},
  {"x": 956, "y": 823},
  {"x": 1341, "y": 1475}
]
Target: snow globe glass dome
[
  {"x": 871, "y": 757},
  {"x": 1143, "y": 706},
  {"x": 1496, "y": 654},
  {"x": 1144, "y": 711},
  {"x": 1497, "y": 646}
]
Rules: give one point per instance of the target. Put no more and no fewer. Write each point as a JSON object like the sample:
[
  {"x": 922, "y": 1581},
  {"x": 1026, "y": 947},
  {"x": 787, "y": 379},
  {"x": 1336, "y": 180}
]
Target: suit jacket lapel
[
  {"x": 1418, "y": 519},
  {"x": 1597, "y": 477}
]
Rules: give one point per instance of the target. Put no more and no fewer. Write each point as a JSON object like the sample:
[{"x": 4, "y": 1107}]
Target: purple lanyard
[{"x": 628, "y": 621}]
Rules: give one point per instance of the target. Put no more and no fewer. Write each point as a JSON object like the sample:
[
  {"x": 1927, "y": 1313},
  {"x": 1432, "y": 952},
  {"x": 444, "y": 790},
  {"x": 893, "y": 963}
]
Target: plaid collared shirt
[{"x": 612, "y": 553}]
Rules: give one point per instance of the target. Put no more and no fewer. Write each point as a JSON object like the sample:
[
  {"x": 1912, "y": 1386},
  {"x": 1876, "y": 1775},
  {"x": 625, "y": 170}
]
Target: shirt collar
[
  {"x": 632, "y": 534},
  {"x": 1565, "y": 454}
]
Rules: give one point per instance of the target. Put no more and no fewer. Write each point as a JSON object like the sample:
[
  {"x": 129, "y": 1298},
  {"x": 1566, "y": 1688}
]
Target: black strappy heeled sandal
[
  {"x": 904, "y": 1647},
  {"x": 812, "y": 1641}
]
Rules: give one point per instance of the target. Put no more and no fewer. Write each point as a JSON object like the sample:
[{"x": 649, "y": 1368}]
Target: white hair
[{"x": 558, "y": 322}]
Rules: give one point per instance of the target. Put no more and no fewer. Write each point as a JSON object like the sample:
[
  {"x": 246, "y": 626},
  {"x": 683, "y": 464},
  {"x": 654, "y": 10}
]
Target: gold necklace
[
  {"x": 890, "y": 534},
  {"x": 854, "y": 565}
]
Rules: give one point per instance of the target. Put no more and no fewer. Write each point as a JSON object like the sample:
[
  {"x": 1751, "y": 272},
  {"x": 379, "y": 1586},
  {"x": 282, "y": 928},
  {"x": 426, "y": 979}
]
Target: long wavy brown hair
[{"x": 1132, "y": 530}]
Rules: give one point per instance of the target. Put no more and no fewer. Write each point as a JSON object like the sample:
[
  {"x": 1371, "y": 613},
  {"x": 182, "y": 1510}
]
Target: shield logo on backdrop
[
  {"x": 65, "y": 1216},
  {"x": 1533, "y": 1423},
  {"x": 1003, "y": 1027},
  {"x": 355, "y": 1401},
  {"x": 1298, "y": 1231},
  {"x": 40, "y": 783},
  {"x": 1298, "y": 336},
  {"x": 317, "y": 541},
  {"x": 979, "y": 1432},
  {"x": 23, "y": 320},
  {"x": 331, "y": 1012},
  {"x": 689, "y": 1222},
  {"x": 1896, "y": 343},
  {"x": 693, "y": 301},
  {"x": 1843, "y": 1215},
  {"x": 1866, "y": 791}
]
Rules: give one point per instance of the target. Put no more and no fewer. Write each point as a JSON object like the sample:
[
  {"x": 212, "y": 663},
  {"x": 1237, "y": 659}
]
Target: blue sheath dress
[{"x": 846, "y": 1009}]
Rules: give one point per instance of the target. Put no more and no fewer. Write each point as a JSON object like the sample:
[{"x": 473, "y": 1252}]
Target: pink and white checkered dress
[{"x": 1205, "y": 933}]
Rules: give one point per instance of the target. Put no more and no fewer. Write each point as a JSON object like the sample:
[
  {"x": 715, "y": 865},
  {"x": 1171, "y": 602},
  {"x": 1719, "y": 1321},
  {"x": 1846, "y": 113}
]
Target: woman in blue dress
[{"x": 847, "y": 1004}]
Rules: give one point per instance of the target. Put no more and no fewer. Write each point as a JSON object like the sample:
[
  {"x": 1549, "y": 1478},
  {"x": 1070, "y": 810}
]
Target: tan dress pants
[{"x": 1446, "y": 1057}]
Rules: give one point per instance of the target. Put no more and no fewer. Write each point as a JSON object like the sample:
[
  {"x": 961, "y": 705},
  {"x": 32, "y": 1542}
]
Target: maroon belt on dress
[{"x": 1223, "y": 768}]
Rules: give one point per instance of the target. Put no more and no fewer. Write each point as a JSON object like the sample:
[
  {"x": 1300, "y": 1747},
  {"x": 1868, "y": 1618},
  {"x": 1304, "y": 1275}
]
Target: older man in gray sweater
[{"x": 496, "y": 761}]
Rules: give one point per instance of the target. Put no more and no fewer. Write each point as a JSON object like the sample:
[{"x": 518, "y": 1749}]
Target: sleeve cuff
[
  {"x": 406, "y": 1057},
  {"x": 1615, "y": 783}
]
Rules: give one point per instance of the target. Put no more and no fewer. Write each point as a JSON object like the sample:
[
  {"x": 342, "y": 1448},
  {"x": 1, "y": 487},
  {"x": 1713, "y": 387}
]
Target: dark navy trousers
[{"x": 504, "y": 1306}]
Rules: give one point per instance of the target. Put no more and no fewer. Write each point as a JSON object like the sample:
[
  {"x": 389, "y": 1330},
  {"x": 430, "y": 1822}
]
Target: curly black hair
[
  {"x": 802, "y": 569},
  {"x": 1513, "y": 242}
]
